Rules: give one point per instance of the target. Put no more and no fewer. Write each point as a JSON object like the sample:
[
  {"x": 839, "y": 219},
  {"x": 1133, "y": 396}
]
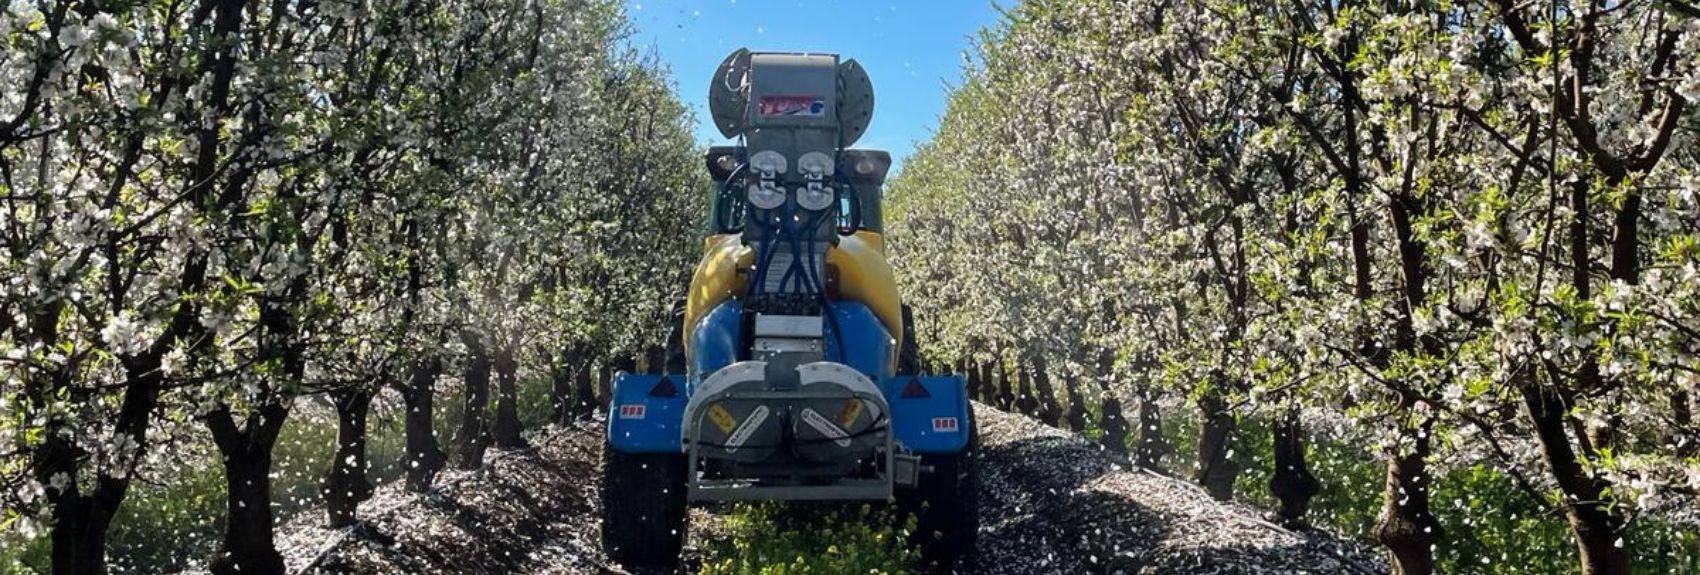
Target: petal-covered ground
[{"x": 1051, "y": 503}]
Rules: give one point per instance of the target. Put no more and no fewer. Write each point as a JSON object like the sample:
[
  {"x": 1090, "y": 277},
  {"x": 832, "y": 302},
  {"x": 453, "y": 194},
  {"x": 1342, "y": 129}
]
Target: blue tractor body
[
  {"x": 929, "y": 413},
  {"x": 793, "y": 364}
]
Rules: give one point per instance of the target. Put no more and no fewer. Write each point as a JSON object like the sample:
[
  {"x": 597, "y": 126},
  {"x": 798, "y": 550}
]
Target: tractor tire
[
  {"x": 946, "y": 507},
  {"x": 909, "y": 353},
  {"x": 643, "y": 508}
]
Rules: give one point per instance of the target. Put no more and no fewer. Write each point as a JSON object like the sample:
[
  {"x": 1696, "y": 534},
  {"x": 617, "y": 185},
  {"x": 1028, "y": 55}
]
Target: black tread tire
[
  {"x": 946, "y": 506},
  {"x": 644, "y": 517},
  {"x": 909, "y": 354}
]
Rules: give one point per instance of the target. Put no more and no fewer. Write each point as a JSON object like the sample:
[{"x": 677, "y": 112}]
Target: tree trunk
[
  {"x": 1599, "y": 538},
  {"x": 346, "y": 484},
  {"x": 586, "y": 389},
  {"x": 1077, "y": 405},
  {"x": 1150, "y": 446},
  {"x": 1216, "y": 471},
  {"x": 655, "y": 359},
  {"x": 1045, "y": 394},
  {"x": 1025, "y": 403},
  {"x": 1405, "y": 525},
  {"x": 248, "y": 546},
  {"x": 1292, "y": 482},
  {"x": 1598, "y": 529},
  {"x": 561, "y": 398},
  {"x": 1683, "y": 436},
  {"x": 973, "y": 376},
  {"x": 247, "y": 452},
  {"x": 81, "y": 521},
  {"x": 1006, "y": 392},
  {"x": 604, "y": 387},
  {"x": 1114, "y": 425},
  {"x": 79, "y": 538},
  {"x": 474, "y": 437},
  {"x": 423, "y": 458},
  {"x": 507, "y": 429},
  {"x": 988, "y": 386},
  {"x": 673, "y": 363}
]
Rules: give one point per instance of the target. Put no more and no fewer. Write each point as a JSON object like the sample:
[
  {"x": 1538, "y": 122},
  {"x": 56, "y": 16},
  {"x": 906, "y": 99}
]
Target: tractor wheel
[
  {"x": 909, "y": 354},
  {"x": 643, "y": 508},
  {"x": 946, "y": 507}
]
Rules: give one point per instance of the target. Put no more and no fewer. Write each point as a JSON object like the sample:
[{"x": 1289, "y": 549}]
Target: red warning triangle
[
  {"x": 664, "y": 389},
  {"x": 915, "y": 389}
]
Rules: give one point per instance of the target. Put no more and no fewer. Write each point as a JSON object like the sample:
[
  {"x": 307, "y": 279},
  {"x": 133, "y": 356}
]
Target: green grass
[{"x": 809, "y": 539}]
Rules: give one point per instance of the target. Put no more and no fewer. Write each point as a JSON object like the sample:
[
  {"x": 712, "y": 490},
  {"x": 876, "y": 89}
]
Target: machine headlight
[
  {"x": 765, "y": 195},
  {"x": 768, "y": 163},
  {"x": 815, "y": 164},
  {"x": 814, "y": 196}
]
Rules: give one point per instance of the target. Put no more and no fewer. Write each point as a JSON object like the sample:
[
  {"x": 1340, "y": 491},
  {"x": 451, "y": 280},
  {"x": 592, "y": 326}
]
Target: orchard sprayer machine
[{"x": 792, "y": 371}]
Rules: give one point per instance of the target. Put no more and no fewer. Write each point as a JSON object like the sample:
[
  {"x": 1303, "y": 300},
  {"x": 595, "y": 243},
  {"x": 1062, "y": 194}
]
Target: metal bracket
[
  {"x": 878, "y": 487},
  {"x": 906, "y": 469}
]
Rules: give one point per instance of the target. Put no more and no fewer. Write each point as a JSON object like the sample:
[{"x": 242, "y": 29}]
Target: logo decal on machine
[
  {"x": 746, "y": 429},
  {"x": 819, "y": 422},
  {"x": 791, "y": 106},
  {"x": 632, "y": 411},
  {"x": 945, "y": 425}
]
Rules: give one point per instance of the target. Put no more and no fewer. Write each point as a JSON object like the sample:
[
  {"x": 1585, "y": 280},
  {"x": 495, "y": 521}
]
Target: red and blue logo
[{"x": 791, "y": 106}]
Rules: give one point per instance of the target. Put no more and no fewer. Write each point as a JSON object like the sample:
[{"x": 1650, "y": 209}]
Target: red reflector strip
[
  {"x": 634, "y": 411},
  {"x": 945, "y": 424}
]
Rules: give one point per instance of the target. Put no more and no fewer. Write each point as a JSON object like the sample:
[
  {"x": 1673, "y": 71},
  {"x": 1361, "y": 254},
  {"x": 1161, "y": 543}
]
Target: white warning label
[
  {"x": 825, "y": 427},
  {"x": 746, "y": 429}
]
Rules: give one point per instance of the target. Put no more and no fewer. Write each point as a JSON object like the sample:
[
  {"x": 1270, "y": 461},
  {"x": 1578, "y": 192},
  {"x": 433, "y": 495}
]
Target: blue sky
[{"x": 912, "y": 49}]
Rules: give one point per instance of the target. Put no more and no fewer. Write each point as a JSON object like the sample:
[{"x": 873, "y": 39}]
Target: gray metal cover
[
  {"x": 728, "y": 93},
  {"x": 855, "y": 102},
  {"x": 733, "y": 107},
  {"x": 779, "y": 80}
]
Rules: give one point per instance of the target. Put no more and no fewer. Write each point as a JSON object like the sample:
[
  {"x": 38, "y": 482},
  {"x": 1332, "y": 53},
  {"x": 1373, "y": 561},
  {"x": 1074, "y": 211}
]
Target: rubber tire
[
  {"x": 909, "y": 354},
  {"x": 946, "y": 506},
  {"x": 644, "y": 517}
]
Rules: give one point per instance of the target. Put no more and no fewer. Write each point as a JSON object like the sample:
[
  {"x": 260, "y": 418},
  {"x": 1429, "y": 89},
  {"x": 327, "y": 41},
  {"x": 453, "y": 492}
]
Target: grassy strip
[{"x": 809, "y": 539}]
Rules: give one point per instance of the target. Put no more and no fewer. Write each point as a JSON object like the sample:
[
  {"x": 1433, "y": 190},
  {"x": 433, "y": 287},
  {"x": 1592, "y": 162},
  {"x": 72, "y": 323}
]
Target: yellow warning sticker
[
  {"x": 852, "y": 409},
  {"x": 722, "y": 419}
]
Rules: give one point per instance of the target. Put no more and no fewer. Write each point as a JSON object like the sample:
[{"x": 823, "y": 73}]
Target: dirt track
[{"x": 1051, "y": 503}]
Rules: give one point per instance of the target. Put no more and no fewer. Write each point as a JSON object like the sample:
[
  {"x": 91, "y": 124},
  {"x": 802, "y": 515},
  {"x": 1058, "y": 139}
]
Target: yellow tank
[{"x": 862, "y": 274}]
